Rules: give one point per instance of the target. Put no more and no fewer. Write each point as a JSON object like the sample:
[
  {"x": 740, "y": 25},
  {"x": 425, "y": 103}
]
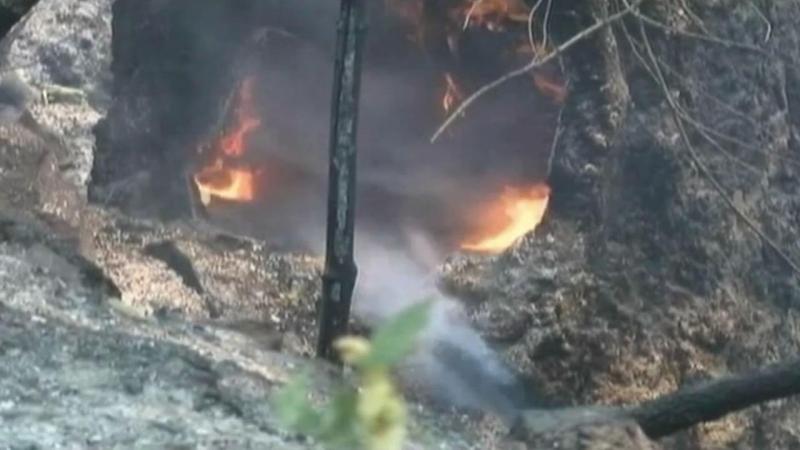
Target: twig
[
  {"x": 468, "y": 16},
  {"x": 700, "y": 127},
  {"x": 534, "y": 64},
  {"x": 709, "y": 38},
  {"x": 699, "y": 161},
  {"x": 706, "y": 93},
  {"x": 546, "y": 24},
  {"x": 693, "y": 15},
  {"x": 531, "y": 15},
  {"x": 768, "y": 33}
]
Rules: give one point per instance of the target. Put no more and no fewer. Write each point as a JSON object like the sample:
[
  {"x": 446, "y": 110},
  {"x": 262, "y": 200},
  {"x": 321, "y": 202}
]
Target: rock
[
  {"x": 61, "y": 50},
  {"x": 82, "y": 366},
  {"x": 581, "y": 428},
  {"x": 77, "y": 370}
]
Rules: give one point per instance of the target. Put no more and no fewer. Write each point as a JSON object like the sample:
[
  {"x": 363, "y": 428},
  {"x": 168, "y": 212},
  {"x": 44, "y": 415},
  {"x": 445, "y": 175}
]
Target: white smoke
[{"x": 452, "y": 364}]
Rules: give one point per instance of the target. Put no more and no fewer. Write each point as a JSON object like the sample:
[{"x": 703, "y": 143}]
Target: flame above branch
[{"x": 227, "y": 177}]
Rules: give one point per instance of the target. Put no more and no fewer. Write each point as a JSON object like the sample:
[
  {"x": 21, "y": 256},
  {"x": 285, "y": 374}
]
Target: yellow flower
[
  {"x": 382, "y": 412},
  {"x": 380, "y": 409},
  {"x": 352, "y": 348}
]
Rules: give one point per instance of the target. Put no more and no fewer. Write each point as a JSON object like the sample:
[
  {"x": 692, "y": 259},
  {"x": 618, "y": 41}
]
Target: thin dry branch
[
  {"x": 531, "y": 40},
  {"x": 468, "y": 16},
  {"x": 546, "y": 24},
  {"x": 704, "y": 37},
  {"x": 704, "y": 130},
  {"x": 534, "y": 64},
  {"x": 768, "y": 32},
  {"x": 701, "y": 128},
  {"x": 700, "y": 163}
]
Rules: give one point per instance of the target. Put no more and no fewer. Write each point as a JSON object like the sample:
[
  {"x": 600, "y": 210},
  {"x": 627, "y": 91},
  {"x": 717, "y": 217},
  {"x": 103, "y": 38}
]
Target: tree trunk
[{"x": 670, "y": 252}]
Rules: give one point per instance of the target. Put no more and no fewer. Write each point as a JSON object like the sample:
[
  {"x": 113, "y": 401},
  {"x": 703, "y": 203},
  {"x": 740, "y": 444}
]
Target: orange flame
[
  {"x": 246, "y": 121},
  {"x": 517, "y": 212},
  {"x": 218, "y": 179},
  {"x": 226, "y": 183}
]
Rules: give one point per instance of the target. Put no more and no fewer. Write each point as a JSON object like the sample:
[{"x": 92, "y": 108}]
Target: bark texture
[{"x": 648, "y": 274}]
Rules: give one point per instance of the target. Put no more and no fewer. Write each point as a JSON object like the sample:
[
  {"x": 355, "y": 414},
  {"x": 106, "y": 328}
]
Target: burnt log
[{"x": 664, "y": 415}]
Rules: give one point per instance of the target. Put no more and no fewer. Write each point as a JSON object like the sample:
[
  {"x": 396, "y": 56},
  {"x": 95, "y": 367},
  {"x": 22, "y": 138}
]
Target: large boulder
[
  {"x": 61, "y": 50},
  {"x": 105, "y": 339},
  {"x": 11, "y": 11}
]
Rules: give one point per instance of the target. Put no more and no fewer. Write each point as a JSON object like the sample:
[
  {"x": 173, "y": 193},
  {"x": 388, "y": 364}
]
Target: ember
[
  {"x": 227, "y": 177},
  {"x": 452, "y": 96},
  {"x": 517, "y": 212}
]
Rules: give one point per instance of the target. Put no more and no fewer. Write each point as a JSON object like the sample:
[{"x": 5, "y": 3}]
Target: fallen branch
[
  {"x": 715, "y": 399},
  {"x": 535, "y": 63},
  {"x": 672, "y": 412}
]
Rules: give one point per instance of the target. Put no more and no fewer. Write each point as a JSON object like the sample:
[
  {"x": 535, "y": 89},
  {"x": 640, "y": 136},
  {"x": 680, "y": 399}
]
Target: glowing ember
[
  {"x": 516, "y": 213},
  {"x": 555, "y": 90},
  {"x": 452, "y": 95},
  {"x": 219, "y": 179}
]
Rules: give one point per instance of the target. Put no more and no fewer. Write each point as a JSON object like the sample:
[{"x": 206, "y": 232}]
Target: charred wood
[{"x": 672, "y": 412}]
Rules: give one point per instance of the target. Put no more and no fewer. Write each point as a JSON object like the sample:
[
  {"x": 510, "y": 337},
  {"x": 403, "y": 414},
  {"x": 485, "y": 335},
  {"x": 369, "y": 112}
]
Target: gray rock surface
[
  {"x": 61, "y": 50},
  {"x": 78, "y": 374},
  {"x": 85, "y": 363},
  {"x": 81, "y": 369}
]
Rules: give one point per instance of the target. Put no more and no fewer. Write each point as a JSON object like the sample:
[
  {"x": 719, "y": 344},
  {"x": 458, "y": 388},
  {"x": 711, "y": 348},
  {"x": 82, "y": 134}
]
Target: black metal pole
[{"x": 340, "y": 272}]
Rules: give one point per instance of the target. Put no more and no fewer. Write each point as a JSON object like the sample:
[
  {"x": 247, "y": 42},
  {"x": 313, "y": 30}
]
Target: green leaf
[
  {"x": 395, "y": 339},
  {"x": 293, "y": 408},
  {"x": 339, "y": 421}
]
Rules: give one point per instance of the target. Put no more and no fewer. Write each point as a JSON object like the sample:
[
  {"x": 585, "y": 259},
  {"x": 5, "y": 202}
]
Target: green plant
[{"x": 372, "y": 415}]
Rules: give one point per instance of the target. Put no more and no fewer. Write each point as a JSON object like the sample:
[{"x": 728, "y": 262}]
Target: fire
[
  {"x": 227, "y": 177},
  {"x": 517, "y": 212},
  {"x": 226, "y": 183},
  {"x": 247, "y": 121}
]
